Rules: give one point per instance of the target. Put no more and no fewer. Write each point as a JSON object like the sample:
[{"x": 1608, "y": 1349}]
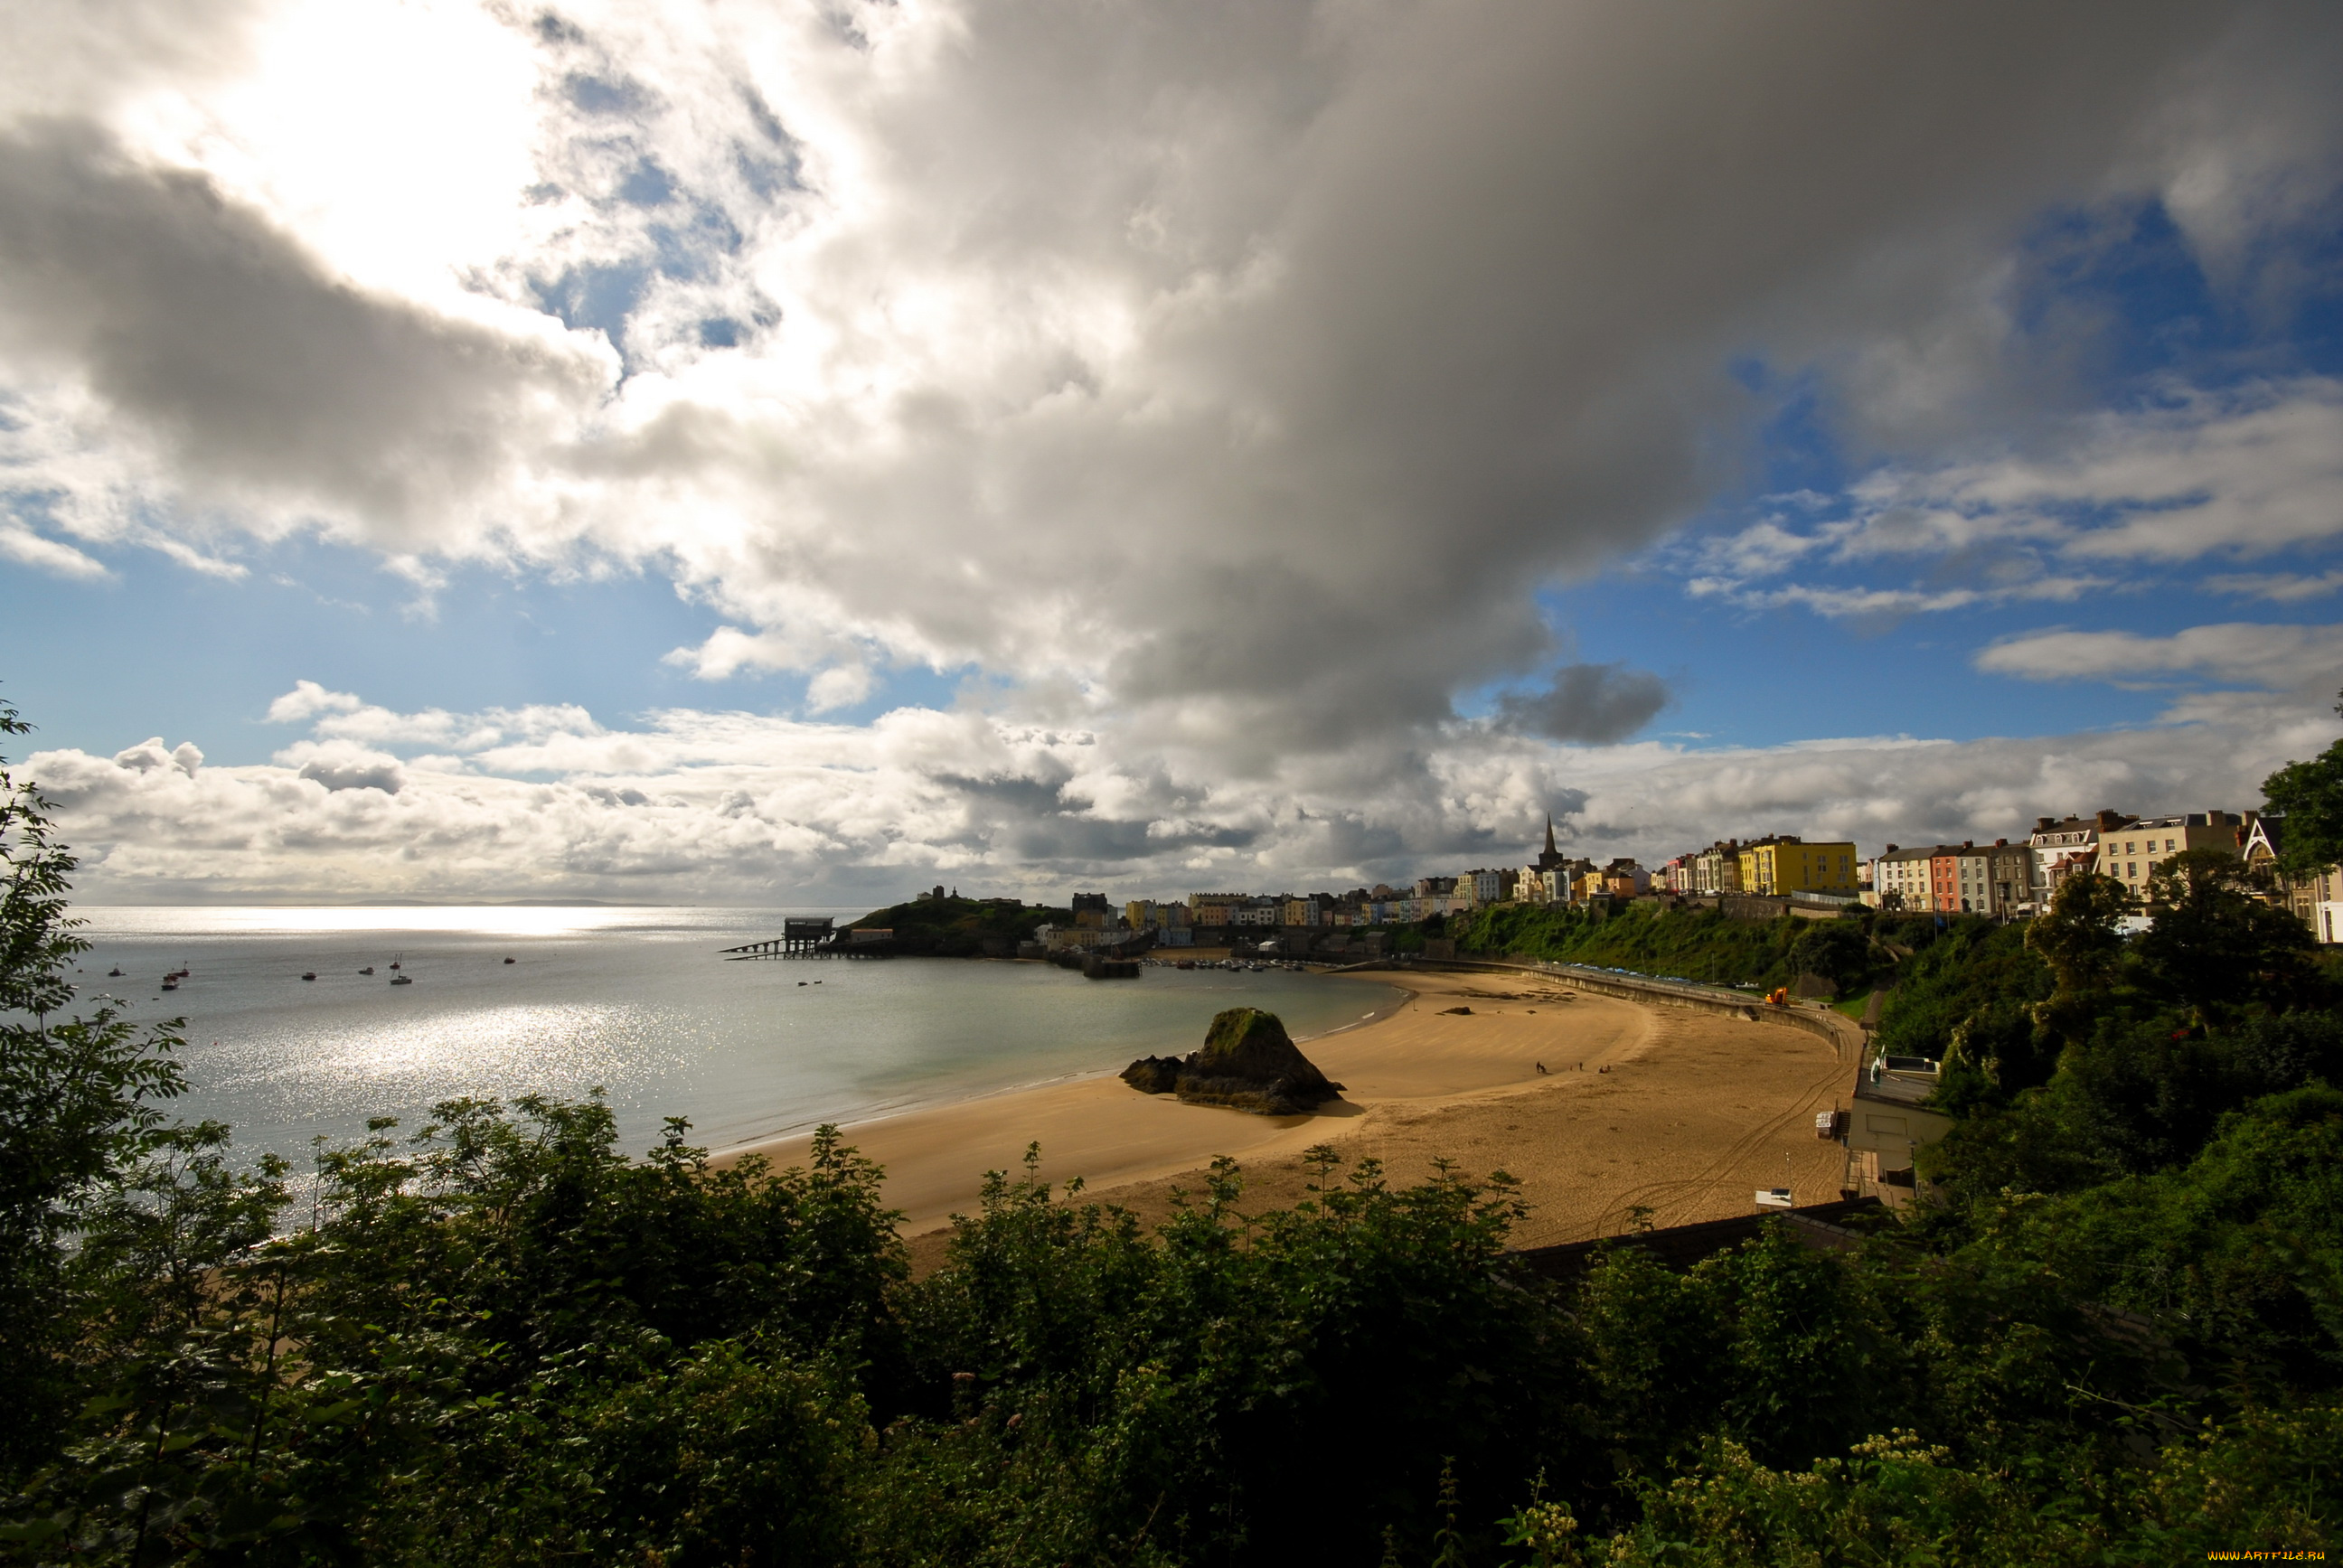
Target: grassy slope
[
  {"x": 956, "y": 928},
  {"x": 1695, "y": 944}
]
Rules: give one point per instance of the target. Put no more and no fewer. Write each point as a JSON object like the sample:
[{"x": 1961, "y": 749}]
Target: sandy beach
[{"x": 1693, "y": 1115}]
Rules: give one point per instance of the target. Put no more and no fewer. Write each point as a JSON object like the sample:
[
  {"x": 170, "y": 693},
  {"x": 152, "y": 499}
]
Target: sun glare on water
[{"x": 492, "y": 921}]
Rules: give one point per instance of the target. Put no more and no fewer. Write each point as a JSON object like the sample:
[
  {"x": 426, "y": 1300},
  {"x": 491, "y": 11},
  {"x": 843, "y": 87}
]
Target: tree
[
  {"x": 2310, "y": 794},
  {"x": 78, "y": 1102},
  {"x": 1837, "y": 950},
  {"x": 2214, "y": 946},
  {"x": 2079, "y": 940}
]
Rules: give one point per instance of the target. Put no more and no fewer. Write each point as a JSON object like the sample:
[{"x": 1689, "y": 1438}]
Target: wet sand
[{"x": 1693, "y": 1116}]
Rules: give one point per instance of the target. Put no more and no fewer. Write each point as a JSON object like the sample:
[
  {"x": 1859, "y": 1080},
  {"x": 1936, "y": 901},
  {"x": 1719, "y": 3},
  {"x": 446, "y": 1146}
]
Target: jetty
[{"x": 802, "y": 937}]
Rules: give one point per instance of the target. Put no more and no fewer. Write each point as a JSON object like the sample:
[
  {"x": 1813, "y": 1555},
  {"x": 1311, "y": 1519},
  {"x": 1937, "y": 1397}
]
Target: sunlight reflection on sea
[{"x": 637, "y": 1002}]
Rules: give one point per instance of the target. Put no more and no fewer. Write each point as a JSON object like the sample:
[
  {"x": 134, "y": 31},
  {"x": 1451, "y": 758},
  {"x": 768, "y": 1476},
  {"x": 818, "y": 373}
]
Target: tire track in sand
[{"x": 1680, "y": 1191}]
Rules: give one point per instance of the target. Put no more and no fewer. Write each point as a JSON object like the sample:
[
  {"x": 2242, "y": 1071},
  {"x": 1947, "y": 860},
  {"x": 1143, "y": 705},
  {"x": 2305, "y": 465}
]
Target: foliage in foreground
[{"x": 503, "y": 1341}]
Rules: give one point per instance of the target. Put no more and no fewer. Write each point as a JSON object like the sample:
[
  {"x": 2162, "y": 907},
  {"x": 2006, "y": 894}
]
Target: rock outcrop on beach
[{"x": 1248, "y": 1062}]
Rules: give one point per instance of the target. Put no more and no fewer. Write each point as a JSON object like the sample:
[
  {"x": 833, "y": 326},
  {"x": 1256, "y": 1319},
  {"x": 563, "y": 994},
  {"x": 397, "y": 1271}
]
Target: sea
[{"x": 640, "y": 1004}]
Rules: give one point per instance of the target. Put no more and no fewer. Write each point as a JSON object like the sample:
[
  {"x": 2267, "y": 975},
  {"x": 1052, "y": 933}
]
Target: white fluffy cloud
[
  {"x": 2273, "y": 657},
  {"x": 732, "y": 808}
]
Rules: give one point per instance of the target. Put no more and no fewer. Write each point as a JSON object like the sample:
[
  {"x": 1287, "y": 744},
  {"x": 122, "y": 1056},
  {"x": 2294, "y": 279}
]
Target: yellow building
[
  {"x": 1790, "y": 865},
  {"x": 2131, "y": 853}
]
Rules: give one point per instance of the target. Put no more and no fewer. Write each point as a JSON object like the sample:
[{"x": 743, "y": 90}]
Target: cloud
[
  {"x": 730, "y": 808},
  {"x": 26, "y": 547},
  {"x": 1877, "y": 604},
  {"x": 840, "y": 686},
  {"x": 1596, "y": 703},
  {"x": 150, "y": 757},
  {"x": 2244, "y": 473},
  {"x": 235, "y": 369},
  {"x": 2253, "y": 470},
  {"x": 1149, "y": 352},
  {"x": 2283, "y": 588},
  {"x": 340, "y": 765},
  {"x": 2276, "y": 658},
  {"x": 307, "y": 699}
]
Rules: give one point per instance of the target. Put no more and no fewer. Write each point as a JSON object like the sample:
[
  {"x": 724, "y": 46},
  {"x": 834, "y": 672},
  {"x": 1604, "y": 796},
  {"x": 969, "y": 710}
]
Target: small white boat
[{"x": 402, "y": 980}]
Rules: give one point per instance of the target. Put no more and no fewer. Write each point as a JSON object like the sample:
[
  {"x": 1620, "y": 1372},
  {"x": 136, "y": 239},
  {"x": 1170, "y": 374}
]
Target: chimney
[
  {"x": 2001, "y": 843},
  {"x": 1889, "y": 850},
  {"x": 2108, "y": 821},
  {"x": 2044, "y": 824},
  {"x": 1968, "y": 843}
]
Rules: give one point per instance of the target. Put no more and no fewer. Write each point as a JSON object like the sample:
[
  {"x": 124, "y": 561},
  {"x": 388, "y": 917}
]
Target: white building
[
  {"x": 1904, "y": 873},
  {"x": 2059, "y": 846}
]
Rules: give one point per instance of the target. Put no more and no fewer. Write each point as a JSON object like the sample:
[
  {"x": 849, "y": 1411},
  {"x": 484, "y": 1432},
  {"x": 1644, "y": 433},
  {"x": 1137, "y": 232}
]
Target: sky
[{"x": 779, "y": 452}]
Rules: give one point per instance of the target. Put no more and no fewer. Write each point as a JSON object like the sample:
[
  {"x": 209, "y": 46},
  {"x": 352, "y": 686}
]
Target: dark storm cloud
[
  {"x": 1427, "y": 307},
  {"x": 1039, "y": 823},
  {"x": 1595, "y": 704},
  {"x": 207, "y": 327}
]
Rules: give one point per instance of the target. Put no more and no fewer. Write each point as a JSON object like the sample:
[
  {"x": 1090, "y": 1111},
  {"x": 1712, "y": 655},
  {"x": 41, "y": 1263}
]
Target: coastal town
[{"x": 2011, "y": 877}]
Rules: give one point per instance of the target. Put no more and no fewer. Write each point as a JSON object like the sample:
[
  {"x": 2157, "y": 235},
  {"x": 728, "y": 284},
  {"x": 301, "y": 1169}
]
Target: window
[
  {"x": 2167, "y": 843},
  {"x": 2130, "y": 871}
]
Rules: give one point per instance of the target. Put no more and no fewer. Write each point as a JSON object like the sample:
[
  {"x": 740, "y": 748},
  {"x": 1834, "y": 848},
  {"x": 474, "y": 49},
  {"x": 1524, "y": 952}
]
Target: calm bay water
[{"x": 634, "y": 1000}]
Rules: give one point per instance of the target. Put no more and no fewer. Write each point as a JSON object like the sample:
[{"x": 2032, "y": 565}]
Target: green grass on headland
[
  {"x": 1695, "y": 944},
  {"x": 957, "y": 927}
]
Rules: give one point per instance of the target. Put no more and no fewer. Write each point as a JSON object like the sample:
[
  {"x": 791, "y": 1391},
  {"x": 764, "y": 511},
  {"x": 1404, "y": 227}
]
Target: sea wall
[{"x": 1844, "y": 1035}]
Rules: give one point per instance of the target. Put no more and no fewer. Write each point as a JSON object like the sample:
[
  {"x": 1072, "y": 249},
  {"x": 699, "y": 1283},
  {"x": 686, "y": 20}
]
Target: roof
[{"x": 1895, "y": 1088}]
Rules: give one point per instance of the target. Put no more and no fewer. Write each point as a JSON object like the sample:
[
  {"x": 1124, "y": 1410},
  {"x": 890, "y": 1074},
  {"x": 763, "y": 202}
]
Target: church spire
[{"x": 1549, "y": 835}]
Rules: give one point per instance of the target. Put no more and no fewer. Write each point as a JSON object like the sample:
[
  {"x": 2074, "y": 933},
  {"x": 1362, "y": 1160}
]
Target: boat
[
  {"x": 368, "y": 970},
  {"x": 170, "y": 982},
  {"x": 512, "y": 961},
  {"x": 113, "y": 973},
  {"x": 402, "y": 980},
  {"x": 308, "y": 974}
]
